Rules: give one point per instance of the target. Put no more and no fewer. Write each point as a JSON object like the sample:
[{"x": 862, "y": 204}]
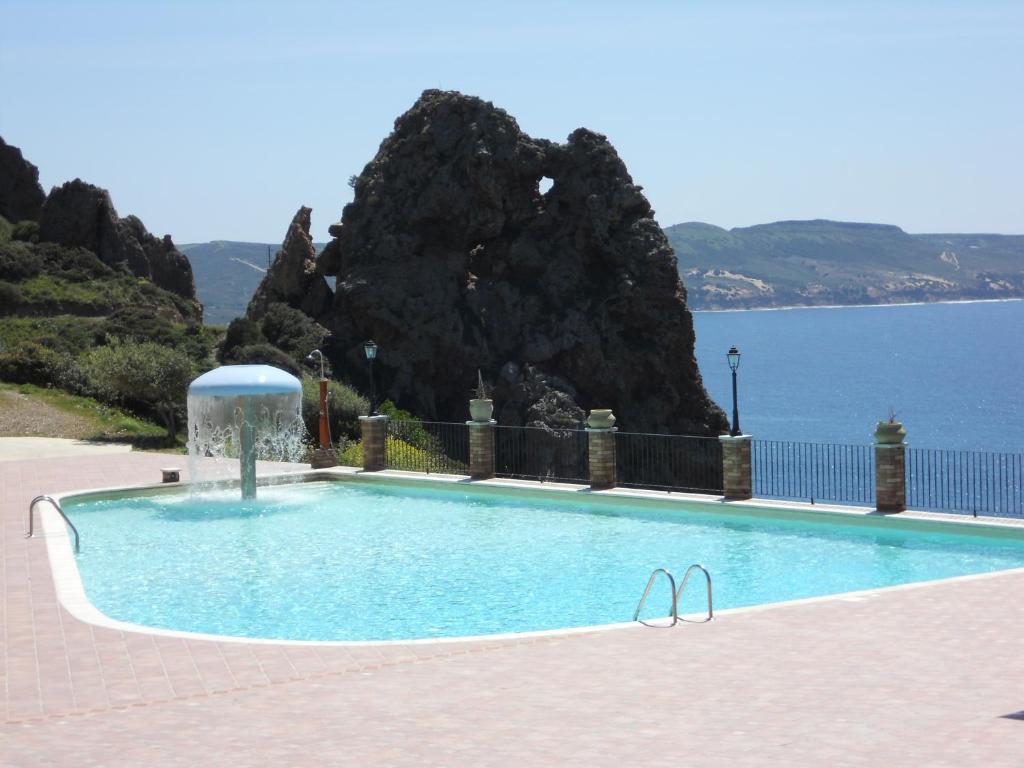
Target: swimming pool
[{"x": 386, "y": 561}]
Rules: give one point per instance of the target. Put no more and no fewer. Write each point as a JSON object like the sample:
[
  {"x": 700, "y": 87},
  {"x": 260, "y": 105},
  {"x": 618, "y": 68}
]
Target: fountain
[{"x": 246, "y": 411}]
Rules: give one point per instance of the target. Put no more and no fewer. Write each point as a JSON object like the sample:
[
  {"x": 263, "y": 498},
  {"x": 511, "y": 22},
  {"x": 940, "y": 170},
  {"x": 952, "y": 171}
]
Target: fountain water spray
[{"x": 246, "y": 411}]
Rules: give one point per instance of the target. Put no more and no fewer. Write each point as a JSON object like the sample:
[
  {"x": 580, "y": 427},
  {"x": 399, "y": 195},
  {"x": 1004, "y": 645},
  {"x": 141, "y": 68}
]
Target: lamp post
[
  {"x": 325, "y": 430},
  {"x": 733, "y": 356},
  {"x": 370, "y": 350}
]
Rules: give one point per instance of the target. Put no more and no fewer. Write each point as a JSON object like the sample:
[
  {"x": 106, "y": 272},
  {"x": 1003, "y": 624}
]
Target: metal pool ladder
[
  {"x": 53, "y": 502},
  {"x": 676, "y": 594}
]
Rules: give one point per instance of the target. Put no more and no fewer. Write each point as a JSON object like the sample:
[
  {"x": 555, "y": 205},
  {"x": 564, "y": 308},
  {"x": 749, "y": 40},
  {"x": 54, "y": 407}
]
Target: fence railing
[
  {"x": 669, "y": 462},
  {"x": 813, "y": 471},
  {"x": 973, "y": 482},
  {"x": 966, "y": 482},
  {"x": 536, "y": 453},
  {"x": 427, "y": 446}
]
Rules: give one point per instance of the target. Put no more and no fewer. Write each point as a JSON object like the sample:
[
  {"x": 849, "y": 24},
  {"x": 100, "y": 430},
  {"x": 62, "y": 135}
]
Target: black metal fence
[
  {"x": 973, "y": 482},
  {"x": 427, "y": 446},
  {"x": 813, "y": 471},
  {"x": 669, "y": 462},
  {"x": 967, "y": 482},
  {"x": 537, "y": 453}
]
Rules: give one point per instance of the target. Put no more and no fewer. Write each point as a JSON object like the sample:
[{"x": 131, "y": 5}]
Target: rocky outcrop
[
  {"x": 453, "y": 260},
  {"x": 293, "y": 278},
  {"x": 82, "y": 215},
  {"x": 21, "y": 197}
]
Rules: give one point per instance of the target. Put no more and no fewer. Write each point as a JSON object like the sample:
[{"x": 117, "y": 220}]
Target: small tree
[{"x": 143, "y": 376}]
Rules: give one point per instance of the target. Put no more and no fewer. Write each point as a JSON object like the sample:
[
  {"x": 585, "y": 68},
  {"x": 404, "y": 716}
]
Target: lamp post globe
[
  {"x": 733, "y": 356},
  {"x": 370, "y": 350}
]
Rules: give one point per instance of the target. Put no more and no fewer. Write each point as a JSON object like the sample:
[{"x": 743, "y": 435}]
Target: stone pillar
[
  {"x": 601, "y": 449},
  {"x": 737, "y": 476},
  {"x": 481, "y": 449},
  {"x": 890, "y": 477},
  {"x": 374, "y": 430}
]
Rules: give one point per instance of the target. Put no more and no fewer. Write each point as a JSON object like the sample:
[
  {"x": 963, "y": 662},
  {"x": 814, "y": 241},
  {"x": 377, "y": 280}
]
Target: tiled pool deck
[{"x": 928, "y": 675}]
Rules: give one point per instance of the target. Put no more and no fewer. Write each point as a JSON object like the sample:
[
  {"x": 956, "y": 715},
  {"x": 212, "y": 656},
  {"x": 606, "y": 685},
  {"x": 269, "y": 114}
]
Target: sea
[{"x": 953, "y": 373}]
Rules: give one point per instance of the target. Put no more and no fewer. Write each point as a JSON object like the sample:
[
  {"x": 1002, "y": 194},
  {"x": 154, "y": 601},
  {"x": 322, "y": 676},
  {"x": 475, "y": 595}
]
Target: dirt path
[{"x": 24, "y": 416}]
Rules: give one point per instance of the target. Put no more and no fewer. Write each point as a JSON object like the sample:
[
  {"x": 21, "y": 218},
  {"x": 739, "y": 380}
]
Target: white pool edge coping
[{"x": 71, "y": 591}]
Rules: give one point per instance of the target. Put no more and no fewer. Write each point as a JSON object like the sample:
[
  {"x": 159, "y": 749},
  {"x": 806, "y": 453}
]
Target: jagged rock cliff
[
  {"x": 453, "y": 260},
  {"x": 82, "y": 215},
  {"x": 21, "y": 197},
  {"x": 292, "y": 279}
]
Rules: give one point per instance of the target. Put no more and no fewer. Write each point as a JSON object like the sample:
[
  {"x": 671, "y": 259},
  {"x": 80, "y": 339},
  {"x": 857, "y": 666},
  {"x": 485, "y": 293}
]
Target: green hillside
[{"x": 827, "y": 262}]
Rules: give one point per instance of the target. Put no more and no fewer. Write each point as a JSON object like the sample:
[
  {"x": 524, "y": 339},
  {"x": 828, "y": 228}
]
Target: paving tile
[{"x": 924, "y": 676}]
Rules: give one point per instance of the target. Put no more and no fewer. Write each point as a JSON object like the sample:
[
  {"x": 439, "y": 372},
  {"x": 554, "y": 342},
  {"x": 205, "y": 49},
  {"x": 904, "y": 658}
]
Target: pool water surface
[{"x": 369, "y": 561}]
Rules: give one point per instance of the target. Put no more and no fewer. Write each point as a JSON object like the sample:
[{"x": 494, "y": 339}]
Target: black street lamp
[
  {"x": 733, "y": 356},
  {"x": 370, "y": 349}
]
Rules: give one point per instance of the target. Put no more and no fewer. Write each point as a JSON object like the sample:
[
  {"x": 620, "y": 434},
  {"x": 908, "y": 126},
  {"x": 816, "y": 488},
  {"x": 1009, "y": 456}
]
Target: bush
[
  {"x": 265, "y": 354},
  {"x": 402, "y": 455},
  {"x": 19, "y": 261},
  {"x": 26, "y": 231},
  {"x": 146, "y": 377},
  {"x": 241, "y": 332},
  {"x": 10, "y": 298},
  {"x": 293, "y": 331},
  {"x": 344, "y": 407},
  {"x": 74, "y": 264},
  {"x": 143, "y": 323},
  {"x": 29, "y": 363},
  {"x": 67, "y": 334}
]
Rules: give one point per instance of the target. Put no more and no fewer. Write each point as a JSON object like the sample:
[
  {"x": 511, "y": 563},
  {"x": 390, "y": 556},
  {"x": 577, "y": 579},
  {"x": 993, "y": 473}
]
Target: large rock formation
[
  {"x": 21, "y": 197},
  {"x": 292, "y": 278},
  {"x": 80, "y": 214},
  {"x": 452, "y": 259}
]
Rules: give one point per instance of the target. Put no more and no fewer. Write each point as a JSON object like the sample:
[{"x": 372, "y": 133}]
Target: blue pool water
[{"x": 355, "y": 561}]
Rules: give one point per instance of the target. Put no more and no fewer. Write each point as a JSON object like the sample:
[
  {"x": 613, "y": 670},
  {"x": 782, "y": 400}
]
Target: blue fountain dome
[{"x": 236, "y": 380}]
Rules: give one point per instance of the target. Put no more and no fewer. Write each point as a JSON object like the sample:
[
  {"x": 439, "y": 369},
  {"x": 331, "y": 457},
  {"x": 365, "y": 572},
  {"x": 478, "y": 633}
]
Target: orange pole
[{"x": 325, "y": 433}]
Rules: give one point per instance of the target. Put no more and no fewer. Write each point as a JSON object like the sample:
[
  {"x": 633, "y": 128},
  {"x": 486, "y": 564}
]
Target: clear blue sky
[{"x": 217, "y": 120}]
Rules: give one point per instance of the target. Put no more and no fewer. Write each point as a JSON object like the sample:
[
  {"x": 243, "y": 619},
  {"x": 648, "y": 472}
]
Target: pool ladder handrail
[
  {"x": 647, "y": 591},
  {"x": 55, "y": 505},
  {"x": 677, "y": 594}
]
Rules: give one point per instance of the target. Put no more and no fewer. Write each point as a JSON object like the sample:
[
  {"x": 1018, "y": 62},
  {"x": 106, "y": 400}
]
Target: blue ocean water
[
  {"x": 954, "y": 373},
  {"x": 353, "y": 561}
]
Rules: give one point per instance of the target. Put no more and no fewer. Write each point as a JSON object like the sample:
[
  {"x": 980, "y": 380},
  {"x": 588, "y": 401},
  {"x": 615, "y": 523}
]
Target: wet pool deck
[{"x": 929, "y": 675}]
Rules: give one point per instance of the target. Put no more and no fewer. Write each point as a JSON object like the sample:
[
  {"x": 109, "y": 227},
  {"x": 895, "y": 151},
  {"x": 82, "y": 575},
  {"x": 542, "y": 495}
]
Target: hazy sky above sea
[{"x": 217, "y": 120}]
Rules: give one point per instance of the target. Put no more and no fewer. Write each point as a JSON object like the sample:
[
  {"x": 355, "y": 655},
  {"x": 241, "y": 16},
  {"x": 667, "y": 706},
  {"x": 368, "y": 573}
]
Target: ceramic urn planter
[
  {"x": 890, "y": 433},
  {"x": 601, "y": 418},
  {"x": 481, "y": 408}
]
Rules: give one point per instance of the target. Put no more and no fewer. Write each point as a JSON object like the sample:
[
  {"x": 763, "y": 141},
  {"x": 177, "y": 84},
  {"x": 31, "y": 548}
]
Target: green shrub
[
  {"x": 292, "y": 331},
  {"x": 74, "y": 264},
  {"x": 241, "y": 332},
  {"x": 344, "y": 407},
  {"x": 146, "y": 377},
  {"x": 67, "y": 334},
  {"x": 145, "y": 323},
  {"x": 10, "y": 298},
  {"x": 19, "y": 261},
  {"x": 29, "y": 362},
  {"x": 265, "y": 354},
  {"x": 351, "y": 455},
  {"x": 26, "y": 231},
  {"x": 5, "y": 230}
]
